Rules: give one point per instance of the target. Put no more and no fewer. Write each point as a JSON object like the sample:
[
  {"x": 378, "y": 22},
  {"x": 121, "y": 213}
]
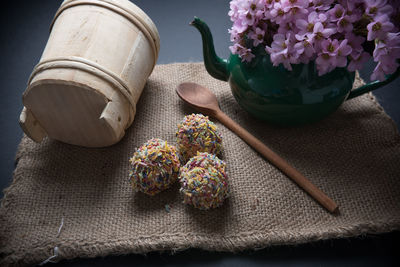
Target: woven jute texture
[{"x": 353, "y": 156}]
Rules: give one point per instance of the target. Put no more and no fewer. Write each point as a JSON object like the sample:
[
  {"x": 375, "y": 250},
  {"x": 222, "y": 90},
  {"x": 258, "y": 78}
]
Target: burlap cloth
[{"x": 353, "y": 156}]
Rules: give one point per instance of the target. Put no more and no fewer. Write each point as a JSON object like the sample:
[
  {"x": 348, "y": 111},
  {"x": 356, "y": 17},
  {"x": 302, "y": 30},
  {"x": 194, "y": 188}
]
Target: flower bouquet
[{"x": 341, "y": 33}]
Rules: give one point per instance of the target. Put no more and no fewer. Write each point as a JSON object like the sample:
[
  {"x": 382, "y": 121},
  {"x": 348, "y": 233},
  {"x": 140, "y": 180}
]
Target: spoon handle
[{"x": 279, "y": 162}]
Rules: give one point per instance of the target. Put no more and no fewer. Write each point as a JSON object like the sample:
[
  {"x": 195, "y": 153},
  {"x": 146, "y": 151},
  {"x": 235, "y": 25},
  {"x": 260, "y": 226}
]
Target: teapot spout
[{"x": 215, "y": 66}]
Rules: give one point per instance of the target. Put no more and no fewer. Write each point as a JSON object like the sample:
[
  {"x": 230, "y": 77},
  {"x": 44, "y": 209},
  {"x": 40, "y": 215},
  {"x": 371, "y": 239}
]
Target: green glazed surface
[{"x": 284, "y": 97}]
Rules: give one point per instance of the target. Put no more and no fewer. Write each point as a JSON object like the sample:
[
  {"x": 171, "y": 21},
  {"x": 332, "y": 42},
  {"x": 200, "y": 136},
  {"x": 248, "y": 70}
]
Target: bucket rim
[{"x": 135, "y": 15}]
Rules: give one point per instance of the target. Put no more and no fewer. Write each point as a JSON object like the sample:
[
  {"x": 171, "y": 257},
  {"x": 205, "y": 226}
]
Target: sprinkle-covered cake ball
[
  {"x": 196, "y": 133},
  {"x": 155, "y": 166},
  {"x": 203, "y": 180}
]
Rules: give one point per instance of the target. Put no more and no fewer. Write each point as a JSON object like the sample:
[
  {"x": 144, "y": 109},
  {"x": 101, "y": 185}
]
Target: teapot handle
[{"x": 373, "y": 85}]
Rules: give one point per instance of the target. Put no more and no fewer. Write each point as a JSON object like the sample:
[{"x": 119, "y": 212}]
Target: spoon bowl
[{"x": 199, "y": 97}]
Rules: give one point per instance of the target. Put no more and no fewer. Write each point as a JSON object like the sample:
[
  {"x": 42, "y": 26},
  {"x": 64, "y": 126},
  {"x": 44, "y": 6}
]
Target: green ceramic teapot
[{"x": 277, "y": 95}]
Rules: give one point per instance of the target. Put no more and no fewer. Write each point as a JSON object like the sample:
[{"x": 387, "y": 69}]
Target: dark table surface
[{"x": 24, "y": 32}]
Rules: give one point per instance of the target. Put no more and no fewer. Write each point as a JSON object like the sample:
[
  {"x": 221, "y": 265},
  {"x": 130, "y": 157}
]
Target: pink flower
[
  {"x": 333, "y": 54},
  {"x": 342, "y": 52},
  {"x": 269, "y": 3},
  {"x": 286, "y": 27},
  {"x": 296, "y": 8},
  {"x": 375, "y": 7},
  {"x": 257, "y": 36},
  {"x": 277, "y": 14},
  {"x": 251, "y": 11},
  {"x": 236, "y": 48},
  {"x": 320, "y": 33},
  {"x": 345, "y": 24},
  {"x": 235, "y": 6},
  {"x": 307, "y": 26},
  {"x": 378, "y": 73},
  {"x": 357, "y": 62},
  {"x": 235, "y": 36},
  {"x": 343, "y": 20},
  {"x": 279, "y": 46},
  {"x": 248, "y": 18},
  {"x": 352, "y": 5},
  {"x": 239, "y": 26},
  {"x": 256, "y": 7},
  {"x": 355, "y": 41},
  {"x": 306, "y": 51},
  {"x": 337, "y": 13},
  {"x": 245, "y": 13},
  {"x": 282, "y": 51},
  {"x": 247, "y": 55},
  {"x": 322, "y": 5},
  {"x": 290, "y": 4},
  {"x": 324, "y": 64},
  {"x": 244, "y": 53},
  {"x": 358, "y": 56},
  {"x": 378, "y": 28},
  {"x": 386, "y": 53}
]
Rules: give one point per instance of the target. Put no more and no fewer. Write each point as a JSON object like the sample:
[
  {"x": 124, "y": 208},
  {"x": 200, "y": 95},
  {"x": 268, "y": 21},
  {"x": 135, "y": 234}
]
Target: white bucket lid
[{"x": 127, "y": 9}]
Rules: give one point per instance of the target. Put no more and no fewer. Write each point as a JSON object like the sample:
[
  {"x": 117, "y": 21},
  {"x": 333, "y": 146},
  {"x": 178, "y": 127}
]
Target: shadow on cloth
[
  {"x": 213, "y": 220},
  {"x": 144, "y": 203}
]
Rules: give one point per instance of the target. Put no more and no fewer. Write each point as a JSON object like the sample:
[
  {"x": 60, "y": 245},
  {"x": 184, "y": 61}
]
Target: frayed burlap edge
[{"x": 71, "y": 249}]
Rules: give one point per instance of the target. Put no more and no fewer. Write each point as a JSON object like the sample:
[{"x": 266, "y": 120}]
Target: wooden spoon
[{"x": 206, "y": 102}]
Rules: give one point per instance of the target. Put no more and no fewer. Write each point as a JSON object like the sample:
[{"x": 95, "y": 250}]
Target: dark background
[{"x": 24, "y": 32}]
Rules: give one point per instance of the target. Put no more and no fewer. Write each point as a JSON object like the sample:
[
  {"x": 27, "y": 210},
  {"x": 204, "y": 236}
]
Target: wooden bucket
[{"x": 92, "y": 72}]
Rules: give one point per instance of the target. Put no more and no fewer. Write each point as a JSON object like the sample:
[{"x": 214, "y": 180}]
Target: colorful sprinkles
[
  {"x": 203, "y": 180},
  {"x": 196, "y": 133},
  {"x": 155, "y": 166}
]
